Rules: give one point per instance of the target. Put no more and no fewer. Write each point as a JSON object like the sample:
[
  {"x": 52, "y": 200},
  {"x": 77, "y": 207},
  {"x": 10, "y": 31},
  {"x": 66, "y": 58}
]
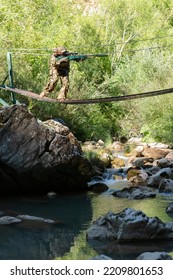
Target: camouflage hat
[{"x": 60, "y": 50}]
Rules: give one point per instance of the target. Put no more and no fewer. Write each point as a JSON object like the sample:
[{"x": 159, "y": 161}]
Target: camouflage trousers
[{"x": 64, "y": 80}]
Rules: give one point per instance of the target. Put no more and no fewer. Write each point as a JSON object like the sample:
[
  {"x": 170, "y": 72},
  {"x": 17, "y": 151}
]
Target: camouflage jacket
[{"x": 62, "y": 65}]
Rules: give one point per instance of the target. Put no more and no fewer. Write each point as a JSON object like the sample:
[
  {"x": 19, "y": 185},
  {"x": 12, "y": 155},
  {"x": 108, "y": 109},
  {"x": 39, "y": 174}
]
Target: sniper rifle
[{"x": 79, "y": 57}]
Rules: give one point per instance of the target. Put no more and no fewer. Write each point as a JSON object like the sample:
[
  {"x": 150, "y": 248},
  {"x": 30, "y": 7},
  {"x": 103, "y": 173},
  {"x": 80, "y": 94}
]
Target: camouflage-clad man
[{"x": 59, "y": 70}]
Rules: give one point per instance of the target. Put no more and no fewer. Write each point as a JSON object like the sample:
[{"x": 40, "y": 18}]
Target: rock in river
[
  {"x": 163, "y": 173},
  {"x": 39, "y": 157},
  {"x": 135, "y": 193},
  {"x": 7, "y": 220},
  {"x": 129, "y": 225}
]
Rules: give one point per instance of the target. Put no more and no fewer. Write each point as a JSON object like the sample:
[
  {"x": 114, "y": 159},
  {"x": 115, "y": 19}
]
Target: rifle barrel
[
  {"x": 99, "y": 55},
  {"x": 81, "y": 56}
]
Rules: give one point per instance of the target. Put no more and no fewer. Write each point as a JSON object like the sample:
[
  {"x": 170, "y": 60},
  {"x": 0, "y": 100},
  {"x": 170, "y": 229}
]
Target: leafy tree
[{"x": 137, "y": 35}]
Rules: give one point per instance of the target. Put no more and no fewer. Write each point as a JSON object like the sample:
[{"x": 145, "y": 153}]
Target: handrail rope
[
  {"x": 111, "y": 53},
  {"x": 90, "y": 101}
]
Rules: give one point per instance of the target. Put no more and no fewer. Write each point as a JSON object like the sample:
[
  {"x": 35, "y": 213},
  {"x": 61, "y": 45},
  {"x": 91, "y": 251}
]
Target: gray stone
[
  {"x": 51, "y": 194},
  {"x": 135, "y": 140},
  {"x": 100, "y": 143},
  {"x": 140, "y": 192},
  {"x": 143, "y": 162},
  {"x": 98, "y": 187},
  {"x": 154, "y": 256},
  {"x": 33, "y": 218},
  {"x": 163, "y": 163},
  {"x": 7, "y": 220}
]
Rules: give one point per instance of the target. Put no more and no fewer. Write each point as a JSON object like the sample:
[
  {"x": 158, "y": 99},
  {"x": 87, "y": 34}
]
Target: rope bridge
[{"x": 33, "y": 95}]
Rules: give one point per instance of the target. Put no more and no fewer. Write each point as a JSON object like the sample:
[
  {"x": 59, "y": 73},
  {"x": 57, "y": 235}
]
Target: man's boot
[
  {"x": 61, "y": 95},
  {"x": 42, "y": 94}
]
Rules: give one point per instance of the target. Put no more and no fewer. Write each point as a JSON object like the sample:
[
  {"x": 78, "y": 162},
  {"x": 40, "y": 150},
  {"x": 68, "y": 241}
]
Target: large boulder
[
  {"x": 163, "y": 163},
  {"x": 129, "y": 225},
  {"x": 164, "y": 173},
  {"x": 155, "y": 153},
  {"x": 140, "y": 192},
  {"x": 39, "y": 157}
]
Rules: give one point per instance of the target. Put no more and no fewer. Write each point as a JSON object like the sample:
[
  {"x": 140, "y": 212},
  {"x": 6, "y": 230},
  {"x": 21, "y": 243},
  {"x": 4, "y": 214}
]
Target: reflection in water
[
  {"x": 40, "y": 244},
  {"x": 130, "y": 250},
  {"x": 34, "y": 241}
]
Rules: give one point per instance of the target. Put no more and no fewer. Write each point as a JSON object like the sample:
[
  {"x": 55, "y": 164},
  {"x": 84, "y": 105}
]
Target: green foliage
[
  {"x": 31, "y": 29},
  {"x": 158, "y": 122}
]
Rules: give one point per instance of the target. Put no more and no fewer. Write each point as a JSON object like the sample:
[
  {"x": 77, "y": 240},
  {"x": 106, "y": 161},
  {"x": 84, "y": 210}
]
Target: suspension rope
[
  {"x": 90, "y": 101},
  {"x": 101, "y": 45},
  {"x": 140, "y": 40}
]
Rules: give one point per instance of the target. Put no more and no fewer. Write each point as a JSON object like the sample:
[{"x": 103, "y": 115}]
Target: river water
[{"x": 74, "y": 214}]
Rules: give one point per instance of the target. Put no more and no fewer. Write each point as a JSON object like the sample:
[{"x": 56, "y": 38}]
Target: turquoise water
[{"x": 74, "y": 214}]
